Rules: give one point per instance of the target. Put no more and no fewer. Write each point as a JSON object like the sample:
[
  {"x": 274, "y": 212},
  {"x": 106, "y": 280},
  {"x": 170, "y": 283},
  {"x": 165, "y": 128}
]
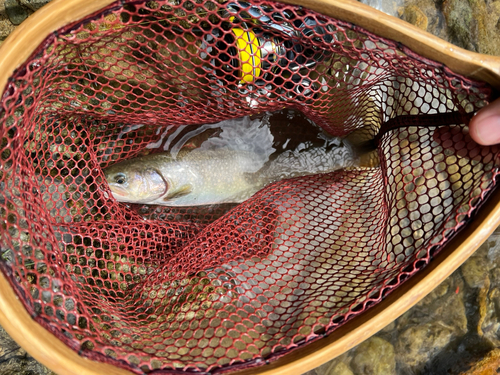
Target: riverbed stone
[
  {"x": 6, "y": 27},
  {"x": 15, "y": 11},
  {"x": 15, "y": 361},
  {"x": 444, "y": 305},
  {"x": 34, "y": 4},
  {"x": 340, "y": 369},
  {"x": 485, "y": 366},
  {"x": 337, "y": 366},
  {"x": 374, "y": 356},
  {"x": 474, "y": 271},
  {"x": 417, "y": 344},
  {"x": 474, "y": 24},
  {"x": 414, "y": 15}
]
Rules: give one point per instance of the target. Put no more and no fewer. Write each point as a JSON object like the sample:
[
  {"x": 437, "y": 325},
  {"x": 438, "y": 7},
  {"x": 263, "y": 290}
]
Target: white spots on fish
[{"x": 329, "y": 141}]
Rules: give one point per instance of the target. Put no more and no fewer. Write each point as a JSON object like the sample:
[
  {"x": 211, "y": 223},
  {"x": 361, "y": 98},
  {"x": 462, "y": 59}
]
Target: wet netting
[{"x": 222, "y": 287}]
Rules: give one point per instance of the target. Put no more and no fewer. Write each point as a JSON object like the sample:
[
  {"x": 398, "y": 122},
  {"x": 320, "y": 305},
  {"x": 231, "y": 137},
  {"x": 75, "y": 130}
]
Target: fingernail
[{"x": 486, "y": 130}]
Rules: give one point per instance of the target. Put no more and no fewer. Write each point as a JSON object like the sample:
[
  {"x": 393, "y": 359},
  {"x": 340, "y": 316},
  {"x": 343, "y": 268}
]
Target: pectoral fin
[{"x": 181, "y": 191}]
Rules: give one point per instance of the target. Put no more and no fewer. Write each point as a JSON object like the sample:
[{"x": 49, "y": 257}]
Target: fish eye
[{"x": 120, "y": 179}]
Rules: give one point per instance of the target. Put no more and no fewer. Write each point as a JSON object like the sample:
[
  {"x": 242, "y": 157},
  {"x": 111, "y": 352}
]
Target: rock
[
  {"x": 472, "y": 24},
  {"x": 431, "y": 325},
  {"x": 489, "y": 324},
  {"x": 444, "y": 305},
  {"x": 340, "y": 369},
  {"x": 436, "y": 23},
  {"x": 34, "y": 4},
  {"x": 15, "y": 361},
  {"x": 15, "y": 11},
  {"x": 6, "y": 27},
  {"x": 387, "y": 6},
  {"x": 493, "y": 247},
  {"x": 418, "y": 344},
  {"x": 389, "y": 328},
  {"x": 485, "y": 366},
  {"x": 337, "y": 366},
  {"x": 374, "y": 356},
  {"x": 414, "y": 15},
  {"x": 495, "y": 276},
  {"x": 474, "y": 271}
]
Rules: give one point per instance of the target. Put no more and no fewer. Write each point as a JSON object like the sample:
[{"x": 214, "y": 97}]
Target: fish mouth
[{"x": 118, "y": 193}]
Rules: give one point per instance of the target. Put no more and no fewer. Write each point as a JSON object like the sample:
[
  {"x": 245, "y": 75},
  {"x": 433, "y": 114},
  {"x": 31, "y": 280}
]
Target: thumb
[{"x": 484, "y": 127}]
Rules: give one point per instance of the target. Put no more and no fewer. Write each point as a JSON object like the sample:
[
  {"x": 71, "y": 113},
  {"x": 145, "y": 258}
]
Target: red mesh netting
[{"x": 212, "y": 288}]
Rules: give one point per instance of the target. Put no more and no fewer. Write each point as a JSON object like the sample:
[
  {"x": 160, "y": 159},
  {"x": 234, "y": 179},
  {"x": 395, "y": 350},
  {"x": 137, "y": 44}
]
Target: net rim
[{"x": 50, "y": 351}]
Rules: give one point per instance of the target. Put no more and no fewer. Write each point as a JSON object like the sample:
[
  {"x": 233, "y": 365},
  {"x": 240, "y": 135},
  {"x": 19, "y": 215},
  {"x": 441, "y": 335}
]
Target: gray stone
[
  {"x": 444, "y": 305},
  {"x": 387, "y": 6},
  {"x": 472, "y": 24},
  {"x": 474, "y": 271},
  {"x": 15, "y": 11},
  {"x": 431, "y": 325},
  {"x": 418, "y": 344},
  {"x": 340, "y": 369},
  {"x": 493, "y": 247},
  {"x": 337, "y": 366},
  {"x": 6, "y": 27},
  {"x": 374, "y": 356},
  {"x": 427, "y": 15},
  {"x": 34, "y": 4},
  {"x": 389, "y": 328},
  {"x": 489, "y": 321},
  {"x": 15, "y": 361}
]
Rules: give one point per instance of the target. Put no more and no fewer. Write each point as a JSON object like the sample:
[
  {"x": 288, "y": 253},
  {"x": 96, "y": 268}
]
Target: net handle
[{"x": 47, "y": 349}]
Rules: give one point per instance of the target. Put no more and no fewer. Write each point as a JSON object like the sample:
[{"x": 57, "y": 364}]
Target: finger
[{"x": 484, "y": 127}]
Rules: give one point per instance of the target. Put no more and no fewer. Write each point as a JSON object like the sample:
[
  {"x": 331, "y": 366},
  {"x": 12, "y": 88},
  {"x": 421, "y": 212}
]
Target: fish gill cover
[{"x": 219, "y": 287}]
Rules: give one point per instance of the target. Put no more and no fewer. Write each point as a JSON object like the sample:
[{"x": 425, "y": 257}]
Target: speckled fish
[
  {"x": 214, "y": 176},
  {"x": 199, "y": 177}
]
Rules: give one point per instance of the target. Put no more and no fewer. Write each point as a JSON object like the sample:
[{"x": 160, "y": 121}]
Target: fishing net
[{"x": 215, "y": 288}]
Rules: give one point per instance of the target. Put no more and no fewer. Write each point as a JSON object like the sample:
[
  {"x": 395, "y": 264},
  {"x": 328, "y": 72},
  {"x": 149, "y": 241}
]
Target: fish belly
[{"x": 224, "y": 177}]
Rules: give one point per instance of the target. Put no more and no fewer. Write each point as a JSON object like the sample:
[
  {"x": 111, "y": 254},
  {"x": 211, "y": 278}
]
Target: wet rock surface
[
  {"x": 374, "y": 356},
  {"x": 15, "y": 12},
  {"x": 470, "y": 24},
  {"x": 474, "y": 24},
  {"x": 15, "y": 361}
]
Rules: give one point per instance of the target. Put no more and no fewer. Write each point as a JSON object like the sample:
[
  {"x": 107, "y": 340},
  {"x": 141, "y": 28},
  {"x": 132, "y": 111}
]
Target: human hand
[{"x": 484, "y": 127}]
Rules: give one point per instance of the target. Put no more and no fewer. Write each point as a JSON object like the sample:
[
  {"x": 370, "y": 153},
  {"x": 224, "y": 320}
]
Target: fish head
[{"x": 135, "y": 183}]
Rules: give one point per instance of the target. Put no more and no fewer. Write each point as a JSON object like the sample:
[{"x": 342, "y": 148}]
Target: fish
[
  {"x": 192, "y": 178},
  {"x": 214, "y": 176}
]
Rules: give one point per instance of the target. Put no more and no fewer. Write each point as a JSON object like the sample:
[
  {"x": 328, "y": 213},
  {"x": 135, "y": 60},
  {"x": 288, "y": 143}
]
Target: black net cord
[{"x": 424, "y": 120}]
